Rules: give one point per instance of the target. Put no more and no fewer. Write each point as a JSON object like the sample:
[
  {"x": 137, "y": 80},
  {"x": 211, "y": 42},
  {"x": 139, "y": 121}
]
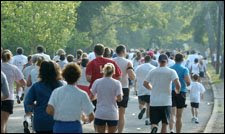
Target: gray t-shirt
[
  {"x": 107, "y": 89},
  {"x": 69, "y": 102},
  {"x": 161, "y": 79},
  {"x": 4, "y": 85}
]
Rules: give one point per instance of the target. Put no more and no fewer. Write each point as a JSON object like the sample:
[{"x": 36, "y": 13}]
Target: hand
[{"x": 177, "y": 92}]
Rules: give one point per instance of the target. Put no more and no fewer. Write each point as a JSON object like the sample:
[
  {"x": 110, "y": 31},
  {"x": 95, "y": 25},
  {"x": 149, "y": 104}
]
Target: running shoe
[
  {"x": 22, "y": 96},
  {"x": 193, "y": 120},
  {"x": 154, "y": 130},
  {"x": 147, "y": 122},
  {"x": 18, "y": 99},
  {"x": 26, "y": 127},
  {"x": 140, "y": 115},
  {"x": 196, "y": 121}
]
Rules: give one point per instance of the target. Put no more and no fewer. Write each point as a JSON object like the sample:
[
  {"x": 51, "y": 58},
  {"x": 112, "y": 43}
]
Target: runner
[
  {"x": 127, "y": 72},
  {"x": 13, "y": 74},
  {"x": 40, "y": 52},
  {"x": 94, "y": 68},
  {"x": 195, "y": 68},
  {"x": 159, "y": 82},
  {"x": 4, "y": 87},
  {"x": 137, "y": 60},
  {"x": 79, "y": 54},
  {"x": 196, "y": 93},
  {"x": 170, "y": 61},
  {"x": 70, "y": 58},
  {"x": 19, "y": 60},
  {"x": 62, "y": 61},
  {"x": 143, "y": 93},
  {"x": 179, "y": 100},
  {"x": 107, "y": 89},
  {"x": 68, "y": 102},
  {"x": 40, "y": 93},
  {"x": 59, "y": 52}
]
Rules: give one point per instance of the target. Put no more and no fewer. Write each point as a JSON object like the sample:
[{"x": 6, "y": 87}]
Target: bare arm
[
  {"x": 119, "y": 98},
  {"x": 50, "y": 110},
  {"x": 29, "y": 83},
  {"x": 187, "y": 80},
  {"x": 130, "y": 72},
  {"x": 88, "y": 77},
  {"x": 147, "y": 85},
  {"x": 177, "y": 85}
]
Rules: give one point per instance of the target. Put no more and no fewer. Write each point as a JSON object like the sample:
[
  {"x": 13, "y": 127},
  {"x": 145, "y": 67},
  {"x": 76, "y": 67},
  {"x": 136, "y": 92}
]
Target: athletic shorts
[
  {"x": 194, "y": 105},
  {"x": 144, "y": 98},
  {"x": 179, "y": 100},
  {"x": 67, "y": 127},
  {"x": 7, "y": 106},
  {"x": 94, "y": 102},
  {"x": 160, "y": 113},
  {"x": 202, "y": 74},
  {"x": 124, "y": 102},
  {"x": 110, "y": 123}
]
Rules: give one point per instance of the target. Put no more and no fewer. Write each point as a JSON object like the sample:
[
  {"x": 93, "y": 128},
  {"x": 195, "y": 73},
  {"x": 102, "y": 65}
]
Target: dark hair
[
  {"x": 71, "y": 73},
  {"x": 79, "y": 53},
  {"x": 138, "y": 55},
  {"x": 168, "y": 54},
  {"x": 19, "y": 50},
  {"x": 70, "y": 58},
  {"x": 49, "y": 72},
  {"x": 40, "y": 49},
  {"x": 84, "y": 62},
  {"x": 196, "y": 60},
  {"x": 179, "y": 57},
  {"x": 147, "y": 58},
  {"x": 6, "y": 55},
  {"x": 195, "y": 77},
  {"x": 99, "y": 49},
  {"x": 29, "y": 57},
  {"x": 62, "y": 57},
  {"x": 120, "y": 49},
  {"x": 107, "y": 52}
]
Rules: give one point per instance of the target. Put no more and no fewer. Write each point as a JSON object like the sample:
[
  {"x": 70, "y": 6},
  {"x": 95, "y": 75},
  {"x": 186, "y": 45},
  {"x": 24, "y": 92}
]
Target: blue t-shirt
[
  {"x": 182, "y": 72},
  {"x": 41, "y": 92}
]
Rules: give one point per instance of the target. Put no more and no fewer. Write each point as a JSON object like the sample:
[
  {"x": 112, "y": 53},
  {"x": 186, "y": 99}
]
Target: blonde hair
[{"x": 108, "y": 69}]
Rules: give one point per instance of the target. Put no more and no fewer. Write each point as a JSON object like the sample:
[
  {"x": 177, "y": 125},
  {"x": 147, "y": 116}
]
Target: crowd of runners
[{"x": 62, "y": 94}]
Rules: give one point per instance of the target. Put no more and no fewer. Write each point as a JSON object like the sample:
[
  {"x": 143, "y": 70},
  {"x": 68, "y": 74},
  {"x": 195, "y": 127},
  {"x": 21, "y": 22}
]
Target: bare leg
[
  {"x": 4, "y": 120},
  {"x": 179, "y": 120},
  {"x": 164, "y": 128},
  {"x": 192, "y": 111},
  {"x": 100, "y": 129},
  {"x": 172, "y": 118},
  {"x": 112, "y": 129},
  {"x": 148, "y": 110},
  {"x": 196, "y": 112},
  {"x": 121, "y": 119}
]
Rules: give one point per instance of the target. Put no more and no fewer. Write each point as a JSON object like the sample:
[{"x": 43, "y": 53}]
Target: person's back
[
  {"x": 40, "y": 52},
  {"x": 106, "y": 89},
  {"x": 141, "y": 72},
  {"x": 123, "y": 63},
  {"x": 19, "y": 61},
  {"x": 196, "y": 88},
  {"x": 195, "y": 69},
  {"x": 161, "y": 79}
]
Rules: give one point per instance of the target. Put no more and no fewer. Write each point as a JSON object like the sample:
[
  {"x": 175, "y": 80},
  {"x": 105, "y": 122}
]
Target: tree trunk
[
  {"x": 211, "y": 37},
  {"x": 218, "y": 42},
  {"x": 222, "y": 68}
]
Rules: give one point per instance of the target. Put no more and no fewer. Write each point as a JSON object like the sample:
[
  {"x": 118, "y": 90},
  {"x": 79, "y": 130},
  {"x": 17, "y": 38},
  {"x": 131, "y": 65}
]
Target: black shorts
[
  {"x": 194, "y": 105},
  {"x": 160, "y": 113},
  {"x": 124, "y": 102},
  {"x": 144, "y": 98},
  {"x": 179, "y": 100},
  {"x": 101, "y": 122},
  {"x": 201, "y": 74},
  {"x": 7, "y": 106},
  {"x": 94, "y": 102}
]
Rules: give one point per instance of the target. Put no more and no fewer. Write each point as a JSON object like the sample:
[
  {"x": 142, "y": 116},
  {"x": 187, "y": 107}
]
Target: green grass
[{"x": 212, "y": 74}]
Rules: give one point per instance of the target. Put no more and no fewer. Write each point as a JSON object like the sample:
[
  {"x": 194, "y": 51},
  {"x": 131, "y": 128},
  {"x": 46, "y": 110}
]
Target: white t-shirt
[
  {"x": 34, "y": 74},
  {"x": 196, "y": 89},
  {"x": 141, "y": 72},
  {"x": 91, "y": 56},
  {"x": 195, "y": 69},
  {"x": 56, "y": 58},
  {"x": 26, "y": 73},
  {"x": 62, "y": 63},
  {"x": 69, "y": 102},
  {"x": 191, "y": 58},
  {"x": 83, "y": 81},
  {"x": 122, "y": 63},
  {"x": 170, "y": 62},
  {"x": 107, "y": 89},
  {"x": 19, "y": 61},
  {"x": 136, "y": 63},
  {"x": 46, "y": 57},
  {"x": 13, "y": 74},
  {"x": 161, "y": 80}
]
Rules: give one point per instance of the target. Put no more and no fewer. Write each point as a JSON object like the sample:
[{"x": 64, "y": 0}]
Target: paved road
[{"x": 133, "y": 125}]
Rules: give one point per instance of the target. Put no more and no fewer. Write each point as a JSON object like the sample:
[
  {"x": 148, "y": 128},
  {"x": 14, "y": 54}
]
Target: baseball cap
[
  {"x": 150, "y": 53},
  {"x": 163, "y": 57}
]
